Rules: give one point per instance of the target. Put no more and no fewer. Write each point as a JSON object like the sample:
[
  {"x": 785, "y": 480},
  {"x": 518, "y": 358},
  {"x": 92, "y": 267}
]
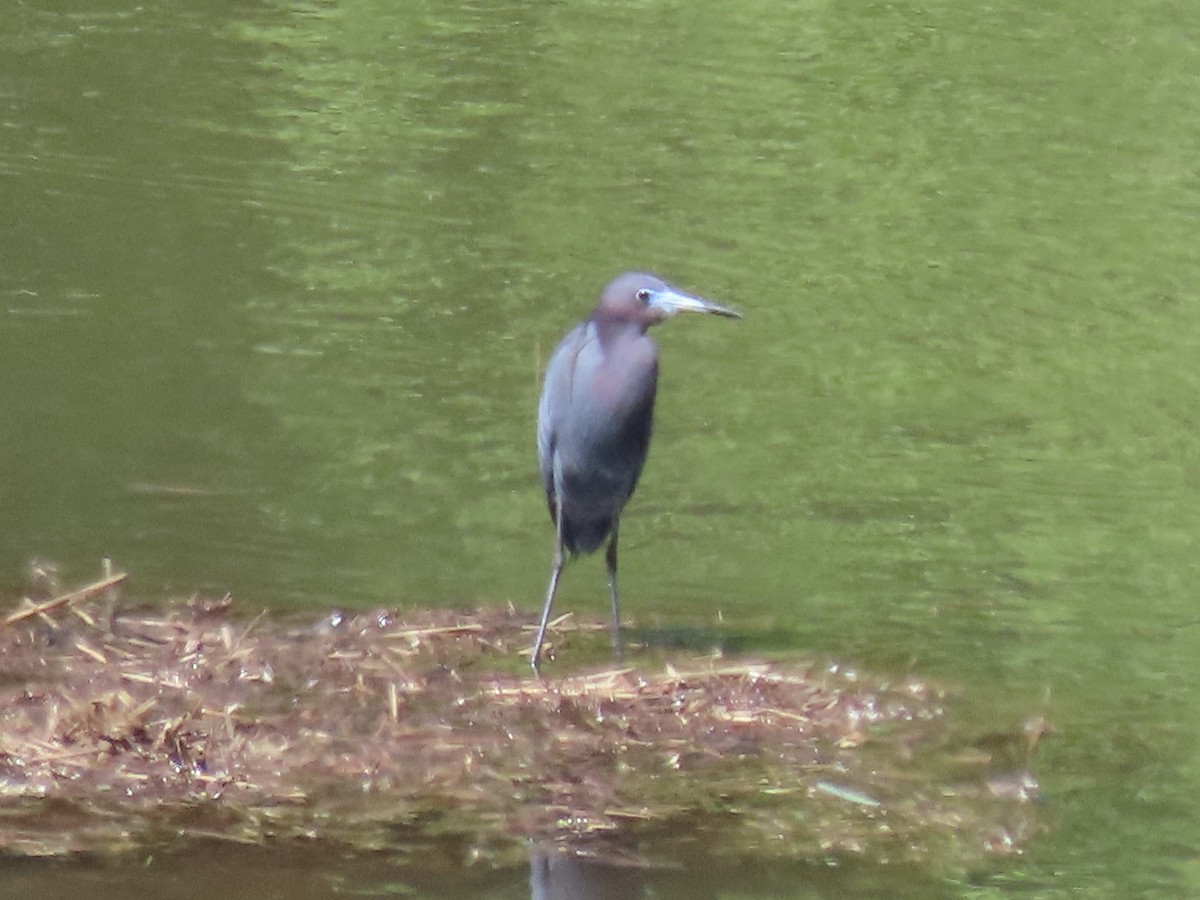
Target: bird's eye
[{"x": 643, "y": 295}]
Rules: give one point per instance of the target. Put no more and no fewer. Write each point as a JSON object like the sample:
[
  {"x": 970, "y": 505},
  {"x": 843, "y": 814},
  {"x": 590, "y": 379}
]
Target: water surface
[{"x": 277, "y": 282}]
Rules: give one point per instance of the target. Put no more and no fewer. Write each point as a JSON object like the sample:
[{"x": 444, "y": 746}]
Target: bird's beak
[{"x": 669, "y": 301}]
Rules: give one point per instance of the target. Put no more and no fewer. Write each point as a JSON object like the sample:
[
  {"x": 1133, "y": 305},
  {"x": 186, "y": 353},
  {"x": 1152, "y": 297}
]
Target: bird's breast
[{"x": 622, "y": 381}]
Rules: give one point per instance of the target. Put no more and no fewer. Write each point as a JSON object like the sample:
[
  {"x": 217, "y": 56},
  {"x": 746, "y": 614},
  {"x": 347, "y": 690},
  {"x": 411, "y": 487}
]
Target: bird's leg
[
  {"x": 555, "y": 572},
  {"x": 610, "y": 558},
  {"x": 556, "y": 567}
]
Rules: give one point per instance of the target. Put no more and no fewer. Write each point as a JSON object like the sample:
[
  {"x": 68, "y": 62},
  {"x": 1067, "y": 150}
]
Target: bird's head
[{"x": 639, "y": 298}]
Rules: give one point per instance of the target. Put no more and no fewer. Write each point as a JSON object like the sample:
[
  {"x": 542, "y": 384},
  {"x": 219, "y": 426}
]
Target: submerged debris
[{"x": 372, "y": 728}]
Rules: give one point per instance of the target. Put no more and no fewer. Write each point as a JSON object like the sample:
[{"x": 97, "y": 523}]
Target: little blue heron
[{"x": 594, "y": 422}]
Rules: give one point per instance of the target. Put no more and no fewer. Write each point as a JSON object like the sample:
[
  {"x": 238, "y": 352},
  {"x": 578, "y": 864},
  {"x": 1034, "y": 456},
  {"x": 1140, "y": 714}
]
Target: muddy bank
[{"x": 125, "y": 730}]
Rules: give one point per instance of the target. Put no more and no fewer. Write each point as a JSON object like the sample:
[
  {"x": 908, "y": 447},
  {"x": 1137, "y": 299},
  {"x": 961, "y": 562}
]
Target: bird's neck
[{"x": 611, "y": 329}]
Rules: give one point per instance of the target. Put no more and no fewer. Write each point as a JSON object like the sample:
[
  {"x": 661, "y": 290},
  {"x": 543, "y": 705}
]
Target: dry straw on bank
[{"x": 121, "y": 731}]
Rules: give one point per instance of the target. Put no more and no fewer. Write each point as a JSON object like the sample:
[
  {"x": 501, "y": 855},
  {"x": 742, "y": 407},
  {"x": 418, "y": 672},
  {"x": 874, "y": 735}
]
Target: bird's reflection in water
[{"x": 559, "y": 874}]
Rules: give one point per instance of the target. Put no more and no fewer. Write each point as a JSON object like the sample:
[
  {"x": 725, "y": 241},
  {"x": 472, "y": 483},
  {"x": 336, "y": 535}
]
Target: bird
[{"x": 595, "y": 415}]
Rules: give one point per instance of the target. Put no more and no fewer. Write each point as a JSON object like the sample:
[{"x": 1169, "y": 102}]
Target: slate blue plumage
[{"x": 595, "y": 417}]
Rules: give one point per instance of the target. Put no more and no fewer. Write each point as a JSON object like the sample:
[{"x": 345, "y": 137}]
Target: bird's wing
[{"x": 556, "y": 397}]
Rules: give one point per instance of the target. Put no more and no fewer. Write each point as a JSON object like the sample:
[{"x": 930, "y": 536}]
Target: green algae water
[{"x": 277, "y": 282}]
